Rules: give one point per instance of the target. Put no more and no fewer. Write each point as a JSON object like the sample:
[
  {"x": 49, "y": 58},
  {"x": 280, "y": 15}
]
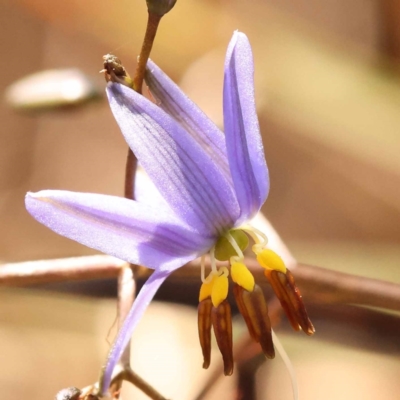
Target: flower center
[
  {"x": 230, "y": 247},
  {"x": 233, "y": 243},
  {"x": 214, "y": 310}
]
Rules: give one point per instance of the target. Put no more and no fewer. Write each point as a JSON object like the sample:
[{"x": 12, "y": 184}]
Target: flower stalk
[
  {"x": 115, "y": 72},
  {"x": 153, "y": 22}
]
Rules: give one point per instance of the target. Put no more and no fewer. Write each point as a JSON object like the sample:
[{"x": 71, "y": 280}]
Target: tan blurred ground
[{"x": 328, "y": 95}]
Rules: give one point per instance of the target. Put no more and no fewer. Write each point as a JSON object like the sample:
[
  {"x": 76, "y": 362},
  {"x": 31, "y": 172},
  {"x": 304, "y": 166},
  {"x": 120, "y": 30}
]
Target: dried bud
[
  {"x": 254, "y": 309},
  {"x": 290, "y": 298},
  {"x": 160, "y": 7},
  {"x": 114, "y": 71},
  {"x": 71, "y": 393},
  {"x": 222, "y": 324},
  {"x": 204, "y": 326}
]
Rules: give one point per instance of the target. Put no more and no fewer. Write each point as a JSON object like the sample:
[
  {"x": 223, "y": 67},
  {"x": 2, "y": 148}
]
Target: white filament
[
  {"x": 256, "y": 234},
  {"x": 214, "y": 268},
  {"x": 288, "y": 364},
  {"x": 235, "y": 246}
]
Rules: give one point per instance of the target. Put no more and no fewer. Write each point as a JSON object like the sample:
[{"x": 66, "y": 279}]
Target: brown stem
[
  {"x": 130, "y": 376},
  {"x": 324, "y": 285},
  {"x": 60, "y": 270},
  {"x": 126, "y": 286},
  {"x": 126, "y": 296},
  {"x": 389, "y": 18},
  {"x": 130, "y": 171},
  {"x": 151, "y": 30},
  {"x": 317, "y": 284}
]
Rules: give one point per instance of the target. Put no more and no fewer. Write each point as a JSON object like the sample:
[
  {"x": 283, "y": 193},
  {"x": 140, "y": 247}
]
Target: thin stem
[
  {"x": 130, "y": 376},
  {"x": 151, "y": 31},
  {"x": 153, "y": 21},
  {"x": 130, "y": 171},
  {"x": 127, "y": 286},
  {"x": 389, "y": 20},
  {"x": 126, "y": 296},
  {"x": 123, "y": 371}
]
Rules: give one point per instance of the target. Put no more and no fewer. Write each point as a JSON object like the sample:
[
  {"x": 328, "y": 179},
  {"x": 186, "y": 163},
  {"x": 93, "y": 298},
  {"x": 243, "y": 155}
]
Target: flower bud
[
  {"x": 114, "y": 71},
  {"x": 71, "y": 393},
  {"x": 160, "y": 7}
]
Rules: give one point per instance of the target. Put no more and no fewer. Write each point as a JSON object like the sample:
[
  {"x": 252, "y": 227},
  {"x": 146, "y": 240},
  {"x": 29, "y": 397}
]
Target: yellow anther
[
  {"x": 206, "y": 288},
  {"x": 242, "y": 276},
  {"x": 268, "y": 259},
  {"x": 219, "y": 290}
]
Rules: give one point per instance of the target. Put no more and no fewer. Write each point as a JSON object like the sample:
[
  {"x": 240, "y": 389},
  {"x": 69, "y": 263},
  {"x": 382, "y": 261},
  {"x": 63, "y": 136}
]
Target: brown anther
[
  {"x": 204, "y": 326},
  {"x": 254, "y": 309},
  {"x": 222, "y": 324},
  {"x": 290, "y": 298},
  {"x": 237, "y": 291}
]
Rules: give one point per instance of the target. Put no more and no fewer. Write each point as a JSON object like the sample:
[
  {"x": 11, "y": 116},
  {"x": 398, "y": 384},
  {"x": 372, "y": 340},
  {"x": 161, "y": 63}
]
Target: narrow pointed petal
[
  {"x": 174, "y": 102},
  {"x": 139, "y": 306},
  {"x": 182, "y": 171},
  {"x": 243, "y": 141},
  {"x": 119, "y": 227}
]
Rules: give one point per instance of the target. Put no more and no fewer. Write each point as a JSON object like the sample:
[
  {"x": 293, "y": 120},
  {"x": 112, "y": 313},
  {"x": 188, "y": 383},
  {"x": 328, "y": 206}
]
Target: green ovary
[{"x": 224, "y": 250}]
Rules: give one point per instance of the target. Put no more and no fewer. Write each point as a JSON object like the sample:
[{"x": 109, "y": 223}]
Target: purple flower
[{"x": 208, "y": 186}]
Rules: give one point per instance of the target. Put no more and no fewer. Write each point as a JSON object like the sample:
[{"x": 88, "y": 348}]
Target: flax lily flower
[{"x": 207, "y": 186}]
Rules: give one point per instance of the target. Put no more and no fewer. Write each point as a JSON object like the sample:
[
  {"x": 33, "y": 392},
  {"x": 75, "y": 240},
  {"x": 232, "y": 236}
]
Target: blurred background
[{"x": 328, "y": 98}]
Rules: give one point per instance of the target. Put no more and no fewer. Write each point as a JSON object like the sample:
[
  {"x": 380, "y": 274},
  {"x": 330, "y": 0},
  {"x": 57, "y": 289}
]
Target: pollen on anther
[
  {"x": 269, "y": 260},
  {"x": 242, "y": 276},
  {"x": 219, "y": 290}
]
